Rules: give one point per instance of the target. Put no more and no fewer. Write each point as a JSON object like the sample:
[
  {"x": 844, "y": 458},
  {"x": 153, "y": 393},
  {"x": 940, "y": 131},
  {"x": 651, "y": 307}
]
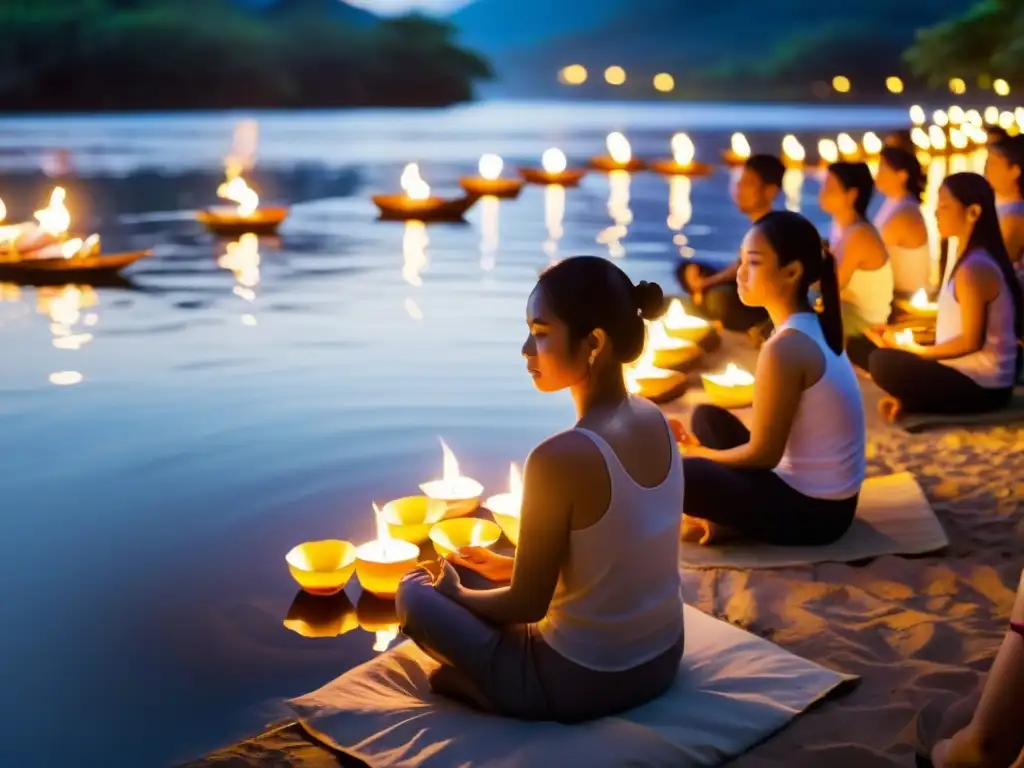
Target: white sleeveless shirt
[
  {"x": 824, "y": 455},
  {"x": 618, "y": 601},
  {"x": 910, "y": 266},
  {"x": 994, "y": 365},
  {"x": 870, "y": 291}
]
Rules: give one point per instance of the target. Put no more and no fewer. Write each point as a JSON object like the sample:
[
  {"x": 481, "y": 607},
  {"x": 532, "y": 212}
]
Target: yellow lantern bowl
[
  {"x": 410, "y": 518},
  {"x": 381, "y": 565},
  {"x": 732, "y": 389},
  {"x": 322, "y": 567},
  {"x": 450, "y": 535}
]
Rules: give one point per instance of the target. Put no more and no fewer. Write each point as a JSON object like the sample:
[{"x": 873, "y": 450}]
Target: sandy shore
[{"x": 911, "y": 628}]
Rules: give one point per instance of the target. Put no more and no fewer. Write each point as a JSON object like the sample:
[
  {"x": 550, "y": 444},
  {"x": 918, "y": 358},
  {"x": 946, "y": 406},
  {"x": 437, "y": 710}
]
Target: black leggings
[
  {"x": 928, "y": 386},
  {"x": 723, "y": 303},
  {"x": 756, "y": 503}
]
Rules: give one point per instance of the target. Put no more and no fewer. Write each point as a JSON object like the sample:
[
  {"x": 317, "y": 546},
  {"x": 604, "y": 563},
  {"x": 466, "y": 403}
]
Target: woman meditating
[
  {"x": 974, "y": 362},
  {"x": 1004, "y": 170},
  {"x": 589, "y": 618},
  {"x": 794, "y": 477},
  {"x": 866, "y": 283},
  {"x": 899, "y": 220}
]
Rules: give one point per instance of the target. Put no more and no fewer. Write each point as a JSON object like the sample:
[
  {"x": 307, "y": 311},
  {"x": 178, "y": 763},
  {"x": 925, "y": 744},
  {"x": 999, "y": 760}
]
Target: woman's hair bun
[{"x": 649, "y": 300}]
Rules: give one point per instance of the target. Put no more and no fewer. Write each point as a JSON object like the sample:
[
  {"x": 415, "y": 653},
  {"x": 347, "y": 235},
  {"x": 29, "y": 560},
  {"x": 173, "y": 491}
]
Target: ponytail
[{"x": 830, "y": 317}]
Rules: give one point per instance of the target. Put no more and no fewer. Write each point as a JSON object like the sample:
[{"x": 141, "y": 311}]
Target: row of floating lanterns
[{"x": 440, "y": 515}]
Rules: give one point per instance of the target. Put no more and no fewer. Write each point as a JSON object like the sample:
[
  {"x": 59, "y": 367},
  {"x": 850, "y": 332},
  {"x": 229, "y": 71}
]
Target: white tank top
[
  {"x": 824, "y": 456},
  {"x": 910, "y": 266},
  {"x": 869, "y": 291},
  {"x": 618, "y": 600},
  {"x": 994, "y": 365}
]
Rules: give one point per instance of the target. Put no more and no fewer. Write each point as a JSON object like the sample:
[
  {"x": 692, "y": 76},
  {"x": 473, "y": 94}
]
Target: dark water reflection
[{"x": 233, "y": 405}]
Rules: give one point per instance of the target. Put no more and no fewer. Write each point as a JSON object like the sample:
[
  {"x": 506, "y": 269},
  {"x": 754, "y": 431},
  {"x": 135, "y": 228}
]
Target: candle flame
[
  {"x": 904, "y": 338},
  {"x": 846, "y": 144},
  {"x": 643, "y": 368},
  {"x": 55, "y": 219},
  {"x": 3, "y": 210},
  {"x": 659, "y": 338},
  {"x": 618, "y": 148},
  {"x": 677, "y": 317},
  {"x": 920, "y": 300},
  {"x": 553, "y": 160},
  {"x": 237, "y": 191},
  {"x": 383, "y": 638},
  {"x": 871, "y": 143},
  {"x": 71, "y": 247},
  {"x": 413, "y": 184},
  {"x": 917, "y": 116},
  {"x": 739, "y": 145},
  {"x": 383, "y": 534},
  {"x": 793, "y": 149},
  {"x": 733, "y": 376},
  {"x": 491, "y": 166},
  {"x": 515, "y": 480},
  {"x": 828, "y": 151},
  {"x": 450, "y": 468},
  {"x": 683, "y": 150}
]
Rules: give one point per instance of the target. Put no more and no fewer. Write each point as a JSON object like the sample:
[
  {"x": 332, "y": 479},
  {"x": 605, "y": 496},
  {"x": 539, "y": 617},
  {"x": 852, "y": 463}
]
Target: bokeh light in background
[
  {"x": 664, "y": 82},
  {"x": 574, "y": 74},
  {"x": 841, "y": 84},
  {"x": 615, "y": 75}
]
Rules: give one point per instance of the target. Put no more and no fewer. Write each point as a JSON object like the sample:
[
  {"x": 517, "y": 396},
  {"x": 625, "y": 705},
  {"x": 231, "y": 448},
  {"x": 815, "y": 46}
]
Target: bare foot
[
  {"x": 718, "y": 534},
  {"x": 693, "y": 530},
  {"x": 890, "y": 408}
]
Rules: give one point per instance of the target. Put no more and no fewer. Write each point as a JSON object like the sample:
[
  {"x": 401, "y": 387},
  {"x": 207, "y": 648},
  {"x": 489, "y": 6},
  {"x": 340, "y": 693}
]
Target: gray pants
[{"x": 510, "y": 670}]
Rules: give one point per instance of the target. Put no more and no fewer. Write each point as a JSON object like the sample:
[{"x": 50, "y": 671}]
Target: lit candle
[
  {"x": 670, "y": 352},
  {"x": 619, "y": 157},
  {"x": 872, "y": 144},
  {"x": 644, "y": 378},
  {"x": 239, "y": 192},
  {"x": 848, "y": 147},
  {"x": 685, "y": 326},
  {"x": 382, "y": 563},
  {"x": 322, "y": 567},
  {"x": 506, "y": 507},
  {"x": 734, "y": 388},
  {"x": 739, "y": 150},
  {"x": 416, "y": 201},
  {"x": 682, "y": 162},
  {"x": 461, "y": 494},
  {"x": 449, "y": 536},
  {"x": 554, "y": 170},
  {"x": 793, "y": 152},
  {"x": 828, "y": 151},
  {"x": 489, "y": 181},
  {"x": 904, "y": 338},
  {"x": 246, "y": 215}
]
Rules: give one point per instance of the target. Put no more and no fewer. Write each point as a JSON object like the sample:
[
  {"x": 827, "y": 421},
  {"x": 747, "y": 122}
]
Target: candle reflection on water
[
  {"x": 414, "y": 251},
  {"x": 618, "y": 209},
  {"x": 242, "y": 259},
  {"x": 489, "y": 207},
  {"x": 554, "y": 214},
  {"x": 793, "y": 188}
]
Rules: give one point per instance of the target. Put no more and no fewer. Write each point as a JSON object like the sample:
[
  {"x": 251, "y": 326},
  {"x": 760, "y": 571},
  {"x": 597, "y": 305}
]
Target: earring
[{"x": 593, "y": 357}]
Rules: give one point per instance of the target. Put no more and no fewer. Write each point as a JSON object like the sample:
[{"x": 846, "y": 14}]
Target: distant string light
[
  {"x": 574, "y": 74},
  {"x": 894, "y": 84},
  {"x": 1001, "y": 87},
  {"x": 957, "y": 86},
  {"x": 615, "y": 75},
  {"x": 841, "y": 84},
  {"x": 664, "y": 82}
]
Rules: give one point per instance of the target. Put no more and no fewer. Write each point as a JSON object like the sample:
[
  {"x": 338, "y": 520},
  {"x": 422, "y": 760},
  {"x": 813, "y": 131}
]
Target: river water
[{"x": 224, "y": 415}]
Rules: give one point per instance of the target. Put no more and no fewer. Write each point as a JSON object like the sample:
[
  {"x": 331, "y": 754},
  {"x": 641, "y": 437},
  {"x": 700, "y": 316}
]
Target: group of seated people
[{"x": 586, "y": 619}]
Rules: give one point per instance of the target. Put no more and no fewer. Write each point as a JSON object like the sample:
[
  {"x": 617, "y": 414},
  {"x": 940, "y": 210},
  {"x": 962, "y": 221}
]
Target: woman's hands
[
  {"x": 688, "y": 444},
  {"x": 447, "y": 580},
  {"x": 491, "y": 566}
]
